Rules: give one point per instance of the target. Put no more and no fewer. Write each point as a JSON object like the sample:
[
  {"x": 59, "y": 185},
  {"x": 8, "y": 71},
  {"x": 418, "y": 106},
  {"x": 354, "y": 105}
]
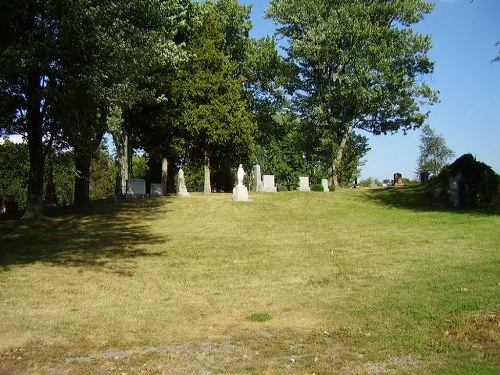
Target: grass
[{"x": 361, "y": 281}]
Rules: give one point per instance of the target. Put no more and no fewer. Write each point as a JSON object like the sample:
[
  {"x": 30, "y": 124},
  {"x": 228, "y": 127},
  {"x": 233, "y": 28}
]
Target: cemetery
[{"x": 181, "y": 197}]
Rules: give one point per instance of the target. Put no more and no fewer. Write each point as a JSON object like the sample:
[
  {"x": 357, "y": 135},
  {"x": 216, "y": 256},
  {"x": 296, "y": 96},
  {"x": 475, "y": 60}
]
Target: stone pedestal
[{"x": 240, "y": 193}]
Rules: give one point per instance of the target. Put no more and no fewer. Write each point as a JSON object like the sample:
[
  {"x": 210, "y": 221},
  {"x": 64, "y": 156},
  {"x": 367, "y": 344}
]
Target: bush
[
  {"x": 316, "y": 187},
  {"x": 476, "y": 182}
]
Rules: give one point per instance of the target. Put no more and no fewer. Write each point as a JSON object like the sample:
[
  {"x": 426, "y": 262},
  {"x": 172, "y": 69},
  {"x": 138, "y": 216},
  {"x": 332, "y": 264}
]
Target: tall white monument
[
  {"x": 240, "y": 191},
  {"x": 182, "y": 190}
]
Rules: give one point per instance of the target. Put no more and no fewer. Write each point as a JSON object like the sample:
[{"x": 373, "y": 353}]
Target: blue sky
[{"x": 464, "y": 34}]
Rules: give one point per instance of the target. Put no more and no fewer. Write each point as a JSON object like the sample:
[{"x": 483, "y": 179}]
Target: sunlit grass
[{"x": 354, "y": 281}]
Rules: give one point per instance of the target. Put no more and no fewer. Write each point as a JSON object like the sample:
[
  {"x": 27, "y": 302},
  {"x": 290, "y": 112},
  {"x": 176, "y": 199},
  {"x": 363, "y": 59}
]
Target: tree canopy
[{"x": 359, "y": 66}]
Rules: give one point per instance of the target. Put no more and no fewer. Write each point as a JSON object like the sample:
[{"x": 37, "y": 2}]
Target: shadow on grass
[
  {"x": 418, "y": 198},
  {"x": 104, "y": 236}
]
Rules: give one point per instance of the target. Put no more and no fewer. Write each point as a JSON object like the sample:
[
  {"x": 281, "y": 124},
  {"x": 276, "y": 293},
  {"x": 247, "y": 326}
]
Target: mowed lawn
[{"x": 356, "y": 281}]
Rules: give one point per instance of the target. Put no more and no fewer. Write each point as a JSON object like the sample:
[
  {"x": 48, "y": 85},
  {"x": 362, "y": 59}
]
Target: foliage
[
  {"x": 139, "y": 166},
  {"x": 102, "y": 175},
  {"x": 434, "y": 154},
  {"x": 209, "y": 94},
  {"x": 481, "y": 182},
  {"x": 358, "y": 66},
  {"x": 316, "y": 187},
  {"x": 65, "y": 63},
  {"x": 64, "y": 175},
  {"x": 14, "y": 170}
]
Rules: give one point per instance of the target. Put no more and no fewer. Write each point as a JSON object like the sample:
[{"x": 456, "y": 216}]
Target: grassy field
[{"x": 365, "y": 281}]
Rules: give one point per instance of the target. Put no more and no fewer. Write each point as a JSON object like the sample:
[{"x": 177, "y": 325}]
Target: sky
[{"x": 464, "y": 34}]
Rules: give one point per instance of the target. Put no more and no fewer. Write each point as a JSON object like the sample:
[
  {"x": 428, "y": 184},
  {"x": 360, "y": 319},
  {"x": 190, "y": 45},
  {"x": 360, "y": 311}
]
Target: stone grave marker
[
  {"x": 324, "y": 183},
  {"x": 136, "y": 188},
  {"x": 268, "y": 184},
  {"x": 398, "y": 179},
  {"x": 304, "y": 184},
  {"x": 181, "y": 190},
  {"x": 155, "y": 190},
  {"x": 257, "y": 183},
  {"x": 373, "y": 182}
]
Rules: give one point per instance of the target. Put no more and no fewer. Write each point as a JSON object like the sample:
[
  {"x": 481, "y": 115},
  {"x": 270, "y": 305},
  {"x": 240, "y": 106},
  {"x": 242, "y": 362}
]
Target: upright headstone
[
  {"x": 268, "y": 184},
  {"x": 136, "y": 188},
  {"x": 182, "y": 190},
  {"x": 324, "y": 183},
  {"x": 304, "y": 184},
  {"x": 257, "y": 183},
  {"x": 398, "y": 179},
  {"x": 155, "y": 190},
  {"x": 240, "y": 191},
  {"x": 373, "y": 182}
]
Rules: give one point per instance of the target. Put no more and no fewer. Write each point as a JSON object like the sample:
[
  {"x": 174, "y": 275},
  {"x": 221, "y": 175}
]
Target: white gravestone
[
  {"x": 304, "y": 184},
  {"x": 373, "y": 182},
  {"x": 155, "y": 190},
  {"x": 240, "y": 191},
  {"x": 268, "y": 182},
  {"x": 324, "y": 182},
  {"x": 136, "y": 188},
  {"x": 257, "y": 184},
  {"x": 182, "y": 190}
]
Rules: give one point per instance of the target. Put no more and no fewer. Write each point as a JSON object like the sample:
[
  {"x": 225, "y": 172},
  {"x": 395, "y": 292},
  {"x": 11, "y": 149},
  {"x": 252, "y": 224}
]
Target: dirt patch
[
  {"x": 263, "y": 351},
  {"x": 480, "y": 333}
]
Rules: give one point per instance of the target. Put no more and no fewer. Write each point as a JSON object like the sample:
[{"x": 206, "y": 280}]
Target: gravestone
[
  {"x": 9, "y": 205},
  {"x": 182, "y": 190},
  {"x": 257, "y": 183},
  {"x": 304, "y": 184},
  {"x": 373, "y": 182},
  {"x": 398, "y": 179},
  {"x": 136, "y": 188},
  {"x": 155, "y": 190},
  {"x": 268, "y": 184},
  {"x": 240, "y": 191},
  {"x": 324, "y": 183}
]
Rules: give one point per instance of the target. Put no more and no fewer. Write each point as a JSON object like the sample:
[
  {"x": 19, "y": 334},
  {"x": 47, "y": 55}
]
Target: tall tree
[
  {"x": 27, "y": 69},
  {"x": 210, "y": 96},
  {"x": 106, "y": 48},
  {"x": 434, "y": 154},
  {"x": 359, "y": 67}
]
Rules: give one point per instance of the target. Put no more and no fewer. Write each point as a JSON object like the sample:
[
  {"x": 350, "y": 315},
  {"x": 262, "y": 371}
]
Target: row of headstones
[
  {"x": 265, "y": 183},
  {"x": 136, "y": 188}
]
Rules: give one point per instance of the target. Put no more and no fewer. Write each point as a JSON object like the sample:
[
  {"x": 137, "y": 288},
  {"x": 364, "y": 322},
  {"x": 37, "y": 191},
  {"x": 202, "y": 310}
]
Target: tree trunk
[
  {"x": 207, "y": 189},
  {"x": 34, "y": 119},
  {"x": 124, "y": 164},
  {"x": 82, "y": 179},
  {"x": 164, "y": 174},
  {"x": 338, "y": 160}
]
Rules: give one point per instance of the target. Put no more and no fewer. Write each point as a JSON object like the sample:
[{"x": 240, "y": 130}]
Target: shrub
[{"x": 316, "y": 187}]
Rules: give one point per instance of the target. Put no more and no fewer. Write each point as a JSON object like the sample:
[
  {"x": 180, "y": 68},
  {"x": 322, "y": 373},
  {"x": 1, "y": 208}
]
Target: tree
[
  {"x": 28, "y": 58},
  {"x": 358, "y": 67},
  {"x": 434, "y": 154},
  {"x": 14, "y": 170},
  {"x": 210, "y": 96}
]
